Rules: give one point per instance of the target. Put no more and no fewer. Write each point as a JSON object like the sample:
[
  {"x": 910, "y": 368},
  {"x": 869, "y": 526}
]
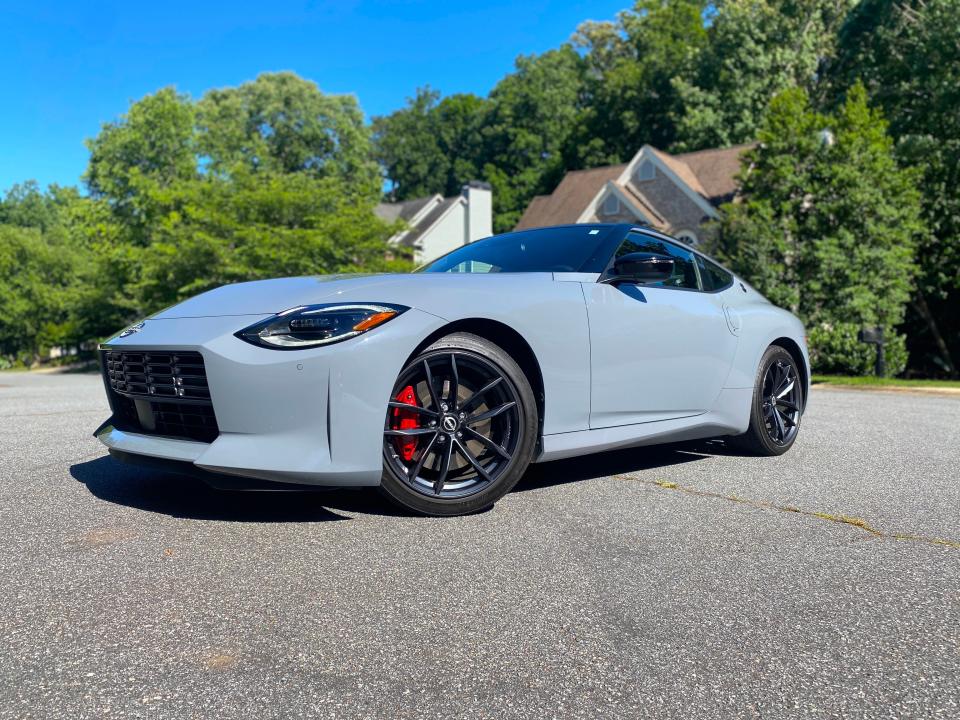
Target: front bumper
[{"x": 312, "y": 417}]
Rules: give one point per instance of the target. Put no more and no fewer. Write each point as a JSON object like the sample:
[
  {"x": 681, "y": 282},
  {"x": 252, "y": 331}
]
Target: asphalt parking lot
[{"x": 669, "y": 583}]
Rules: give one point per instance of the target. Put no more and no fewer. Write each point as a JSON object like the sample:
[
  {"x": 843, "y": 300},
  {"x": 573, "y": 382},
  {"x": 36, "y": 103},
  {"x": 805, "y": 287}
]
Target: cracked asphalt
[{"x": 679, "y": 582}]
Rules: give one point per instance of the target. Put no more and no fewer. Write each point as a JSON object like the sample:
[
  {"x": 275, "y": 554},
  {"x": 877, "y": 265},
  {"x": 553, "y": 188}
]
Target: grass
[{"x": 884, "y": 382}]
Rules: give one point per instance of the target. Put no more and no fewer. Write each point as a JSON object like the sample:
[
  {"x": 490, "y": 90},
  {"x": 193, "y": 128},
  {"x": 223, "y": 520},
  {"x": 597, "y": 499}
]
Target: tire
[
  {"x": 459, "y": 448},
  {"x": 774, "y": 426}
]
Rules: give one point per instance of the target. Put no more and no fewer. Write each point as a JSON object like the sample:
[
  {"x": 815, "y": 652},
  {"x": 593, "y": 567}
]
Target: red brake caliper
[{"x": 405, "y": 420}]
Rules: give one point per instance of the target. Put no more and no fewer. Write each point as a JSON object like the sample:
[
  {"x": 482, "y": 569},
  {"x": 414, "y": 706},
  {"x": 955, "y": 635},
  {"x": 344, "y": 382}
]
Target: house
[
  {"x": 675, "y": 194},
  {"x": 437, "y": 225}
]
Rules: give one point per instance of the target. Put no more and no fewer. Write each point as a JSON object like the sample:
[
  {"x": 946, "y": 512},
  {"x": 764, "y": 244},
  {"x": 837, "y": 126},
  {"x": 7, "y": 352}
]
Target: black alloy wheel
[
  {"x": 781, "y": 402},
  {"x": 458, "y": 431},
  {"x": 777, "y": 406}
]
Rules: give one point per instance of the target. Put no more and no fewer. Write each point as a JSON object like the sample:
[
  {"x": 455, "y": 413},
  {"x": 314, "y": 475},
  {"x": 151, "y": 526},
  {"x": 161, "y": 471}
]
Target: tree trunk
[{"x": 920, "y": 305}]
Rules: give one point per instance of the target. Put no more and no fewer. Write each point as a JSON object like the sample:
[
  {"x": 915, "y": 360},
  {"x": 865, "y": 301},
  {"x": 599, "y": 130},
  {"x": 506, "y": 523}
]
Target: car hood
[
  {"x": 267, "y": 297},
  {"x": 436, "y": 293}
]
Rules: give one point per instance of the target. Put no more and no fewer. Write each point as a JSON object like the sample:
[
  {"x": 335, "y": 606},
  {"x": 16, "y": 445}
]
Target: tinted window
[
  {"x": 713, "y": 276},
  {"x": 564, "y": 249},
  {"x": 684, "y": 274}
]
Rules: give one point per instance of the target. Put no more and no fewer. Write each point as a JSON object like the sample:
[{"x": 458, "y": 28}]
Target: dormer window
[
  {"x": 645, "y": 171},
  {"x": 611, "y": 204}
]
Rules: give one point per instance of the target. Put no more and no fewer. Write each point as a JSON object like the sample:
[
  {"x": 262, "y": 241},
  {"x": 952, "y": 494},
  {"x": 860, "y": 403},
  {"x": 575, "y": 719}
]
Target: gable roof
[
  {"x": 406, "y": 210},
  {"x": 568, "y": 201},
  {"x": 708, "y": 177},
  {"x": 410, "y": 237},
  {"x": 716, "y": 170}
]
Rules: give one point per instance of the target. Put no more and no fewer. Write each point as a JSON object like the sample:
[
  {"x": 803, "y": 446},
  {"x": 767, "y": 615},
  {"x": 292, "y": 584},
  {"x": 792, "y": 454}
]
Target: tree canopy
[
  {"x": 827, "y": 224},
  {"x": 849, "y": 213}
]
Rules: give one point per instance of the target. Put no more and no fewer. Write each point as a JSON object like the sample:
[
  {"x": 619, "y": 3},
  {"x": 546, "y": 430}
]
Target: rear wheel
[
  {"x": 460, "y": 428},
  {"x": 777, "y": 405}
]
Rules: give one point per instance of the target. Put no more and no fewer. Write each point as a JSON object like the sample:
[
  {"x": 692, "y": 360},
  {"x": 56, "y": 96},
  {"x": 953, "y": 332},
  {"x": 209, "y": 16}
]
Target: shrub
[{"x": 835, "y": 350}]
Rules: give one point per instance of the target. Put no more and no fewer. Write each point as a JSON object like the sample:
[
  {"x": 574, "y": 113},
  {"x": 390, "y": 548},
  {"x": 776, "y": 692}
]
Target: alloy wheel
[
  {"x": 780, "y": 402},
  {"x": 453, "y": 424}
]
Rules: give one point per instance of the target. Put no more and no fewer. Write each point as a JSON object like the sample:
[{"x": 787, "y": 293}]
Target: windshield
[{"x": 559, "y": 249}]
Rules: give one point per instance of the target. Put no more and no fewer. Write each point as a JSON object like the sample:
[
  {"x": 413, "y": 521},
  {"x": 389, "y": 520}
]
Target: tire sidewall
[
  {"x": 397, "y": 489},
  {"x": 757, "y": 423}
]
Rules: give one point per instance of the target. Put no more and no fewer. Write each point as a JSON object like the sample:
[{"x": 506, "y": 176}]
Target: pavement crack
[{"x": 855, "y": 522}]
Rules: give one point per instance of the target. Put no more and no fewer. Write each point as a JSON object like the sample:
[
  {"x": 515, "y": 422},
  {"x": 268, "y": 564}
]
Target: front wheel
[
  {"x": 460, "y": 429},
  {"x": 776, "y": 407}
]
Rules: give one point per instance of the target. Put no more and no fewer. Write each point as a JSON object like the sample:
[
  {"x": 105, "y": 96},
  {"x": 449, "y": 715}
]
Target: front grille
[
  {"x": 160, "y": 393},
  {"x": 174, "y": 375}
]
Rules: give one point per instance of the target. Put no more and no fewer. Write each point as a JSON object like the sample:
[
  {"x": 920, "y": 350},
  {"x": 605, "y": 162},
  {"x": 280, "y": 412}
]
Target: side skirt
[{"x": 730, "y": 416}]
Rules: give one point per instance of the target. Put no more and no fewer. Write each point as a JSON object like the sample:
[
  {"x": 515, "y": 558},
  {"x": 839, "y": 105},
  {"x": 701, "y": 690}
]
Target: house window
[
  {"x": 611, "y": 205},
  {"x": 645, "y": 171}
]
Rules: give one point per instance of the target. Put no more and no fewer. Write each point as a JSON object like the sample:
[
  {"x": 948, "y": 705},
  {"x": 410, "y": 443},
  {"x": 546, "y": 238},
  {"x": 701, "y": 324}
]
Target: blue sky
[{"x": 70, "y": 66}]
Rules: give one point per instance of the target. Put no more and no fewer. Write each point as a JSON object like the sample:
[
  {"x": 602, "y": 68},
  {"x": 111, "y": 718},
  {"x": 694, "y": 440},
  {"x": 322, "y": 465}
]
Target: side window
[
  {"x": 684, "y": 274},
  {"x": 713, "y": 276}
]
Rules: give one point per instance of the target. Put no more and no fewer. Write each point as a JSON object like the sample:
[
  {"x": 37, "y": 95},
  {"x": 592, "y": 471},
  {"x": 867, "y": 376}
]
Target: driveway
[{"x": 679, "y": 582}]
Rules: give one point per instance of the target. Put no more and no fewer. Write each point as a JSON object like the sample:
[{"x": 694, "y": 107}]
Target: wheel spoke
[
  {"x": 476, "y": 396},
  {"x": 781, "y": 431},
  {"x": 409, "y": 432},
  {"x": 788, "y": 404},
  {"x": 785, "y": 418},
  {"x": 413, "y": 408},
  {"x": 444, "y": 468},
  {"x": 488, "y": 442},
  {"x": 415, "y": 473},
  {"x": 489, "y": 413},
  {"x": 454, "y": 383},
  {"x": 472, "y": 460},
  {"x": 786, "y": 387},
  {"x": 434, "y": 400}
]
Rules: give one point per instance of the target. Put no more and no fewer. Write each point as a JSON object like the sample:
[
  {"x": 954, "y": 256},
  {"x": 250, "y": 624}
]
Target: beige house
[
  {"x": 676, "y": 194},
  {"x": 437, "y": 225}
]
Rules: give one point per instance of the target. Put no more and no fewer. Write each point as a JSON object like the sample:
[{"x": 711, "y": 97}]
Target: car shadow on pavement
[
  {"x": 184, "y": 496},
  {"x": 615, "y": 462}
]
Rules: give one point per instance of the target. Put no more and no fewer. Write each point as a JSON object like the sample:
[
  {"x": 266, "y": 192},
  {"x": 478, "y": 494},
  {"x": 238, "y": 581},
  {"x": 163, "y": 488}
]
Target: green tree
[
  {"x": 258, "y": 225},
  {"x": 431, "y": 145},
  {"x": 282, "y": 123},
  {"x": 532, "y": 114},
  {"x": 26, "y": 205},
  {"x": 152, "y": 146},
  {"x": 514, "y": 138},
  {"x": 36, "y": 274},
  {"x": 907, "y": 53},
  {"x": 632, "y": 65},
  {"x": 827, "y": 223},
  {"x": 755, "y": 49}
]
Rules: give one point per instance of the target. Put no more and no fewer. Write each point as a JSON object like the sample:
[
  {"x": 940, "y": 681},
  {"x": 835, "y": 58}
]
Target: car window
[
  {"x": 713, "y": 276},
  {"x": 684, "y": 274},
  {"x": 561, "y": 249}
]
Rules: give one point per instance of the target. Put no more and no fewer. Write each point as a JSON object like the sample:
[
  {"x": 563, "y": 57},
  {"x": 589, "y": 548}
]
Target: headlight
[{"x": 314, "y": 325}]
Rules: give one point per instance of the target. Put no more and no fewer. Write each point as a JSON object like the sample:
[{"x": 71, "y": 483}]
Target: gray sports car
[{"x": 443, "y": 385}]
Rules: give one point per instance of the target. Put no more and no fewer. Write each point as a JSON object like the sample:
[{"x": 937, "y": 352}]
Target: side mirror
[{"x": 641, "y": 267}]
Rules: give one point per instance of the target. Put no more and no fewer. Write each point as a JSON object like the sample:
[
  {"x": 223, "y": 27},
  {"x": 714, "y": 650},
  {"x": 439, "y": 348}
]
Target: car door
[{"x": 658, "y": 351}]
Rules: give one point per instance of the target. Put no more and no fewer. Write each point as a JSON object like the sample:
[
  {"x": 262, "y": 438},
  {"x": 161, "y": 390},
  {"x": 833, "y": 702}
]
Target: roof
[
  {"x": 572, "y": 195},
  {"x": 391, "y": 212},
  {"x": 711, "y": 174},
  {"x": 716, "y": 170},
  {"x": 427, "y": 221}
]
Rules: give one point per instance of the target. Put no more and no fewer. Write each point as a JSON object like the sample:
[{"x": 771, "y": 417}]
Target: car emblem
[
  {"x": 133, "y": 329},
  {"x": 449, "y": 423}
]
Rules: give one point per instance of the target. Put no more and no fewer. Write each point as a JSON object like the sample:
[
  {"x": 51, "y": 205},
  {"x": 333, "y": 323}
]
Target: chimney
[{"x": 479, "y": 199}]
